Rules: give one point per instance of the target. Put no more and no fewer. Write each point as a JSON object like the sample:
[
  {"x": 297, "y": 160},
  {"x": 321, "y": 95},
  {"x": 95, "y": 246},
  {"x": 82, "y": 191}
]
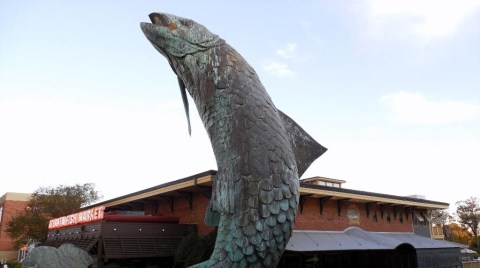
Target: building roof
[
  {"x": 202, "y": 181},
  {"x": 365, "y": 197},
  {"x": 324, "y": 179},
  {"x": 15, "y": 197},
  {"x": 191, "y": 183},
  {"x": 354, "y": 238}
]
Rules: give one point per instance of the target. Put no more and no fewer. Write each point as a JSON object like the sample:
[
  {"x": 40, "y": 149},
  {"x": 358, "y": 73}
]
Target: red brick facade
[
  {"x": 310, "y": 218},
  {"x": 327, "y": 207},
  {"x": 181, "y": 209},
  {"x": 307, "y": 219},
  {"x": 10, "y": 204}
]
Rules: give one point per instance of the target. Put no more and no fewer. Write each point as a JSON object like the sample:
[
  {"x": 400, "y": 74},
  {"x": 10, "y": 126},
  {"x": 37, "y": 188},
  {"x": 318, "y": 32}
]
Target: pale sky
[{"x": 391, "y": 88}]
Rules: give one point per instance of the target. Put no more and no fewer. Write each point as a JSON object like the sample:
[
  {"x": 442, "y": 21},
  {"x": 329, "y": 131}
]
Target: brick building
[
  {"x": 335, "y": 227},
  {"x": 10, "y": 204}
]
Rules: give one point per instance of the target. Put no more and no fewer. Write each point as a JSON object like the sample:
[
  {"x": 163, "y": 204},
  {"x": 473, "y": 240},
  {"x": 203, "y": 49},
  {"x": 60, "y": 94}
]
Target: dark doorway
[{"x": 406, "y": 256}]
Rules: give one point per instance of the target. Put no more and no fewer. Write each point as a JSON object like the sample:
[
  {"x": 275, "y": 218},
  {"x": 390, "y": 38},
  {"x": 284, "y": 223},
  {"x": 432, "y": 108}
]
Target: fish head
[
  {"x": 181, "y": 41},
  {"x": 174, "y": 36}
]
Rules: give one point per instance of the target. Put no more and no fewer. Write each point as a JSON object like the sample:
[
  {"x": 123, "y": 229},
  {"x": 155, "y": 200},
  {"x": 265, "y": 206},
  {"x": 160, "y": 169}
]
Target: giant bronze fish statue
[{"x": 260, "y": 152}]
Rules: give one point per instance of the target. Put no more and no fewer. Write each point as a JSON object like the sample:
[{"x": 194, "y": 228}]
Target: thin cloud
[
  {"x": 427, "y": 19},
  {"x": 416, "y": 109},
  {"x": 288, "y": 52},
  {"x": 278, "y": 69}
]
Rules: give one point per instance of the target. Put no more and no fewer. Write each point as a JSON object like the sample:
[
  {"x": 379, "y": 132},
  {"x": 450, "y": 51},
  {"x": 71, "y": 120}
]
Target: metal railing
[
  {"x": 471, "y": 264},
  {"x": 437, "y": 232}
]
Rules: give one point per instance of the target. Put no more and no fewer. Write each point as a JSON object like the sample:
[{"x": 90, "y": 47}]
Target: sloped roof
[
  {"x": 354, "y": 238},
  {"x": 206, "y": 178},
  {"x": 363, "y": 196}
]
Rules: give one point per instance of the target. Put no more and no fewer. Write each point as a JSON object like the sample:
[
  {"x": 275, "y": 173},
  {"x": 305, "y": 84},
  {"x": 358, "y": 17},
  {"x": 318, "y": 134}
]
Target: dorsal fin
[{"x": 306, "y": 149}]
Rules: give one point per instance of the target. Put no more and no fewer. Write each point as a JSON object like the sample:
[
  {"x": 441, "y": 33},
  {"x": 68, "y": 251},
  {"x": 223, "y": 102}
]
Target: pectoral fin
[
  {"x": 184, "y": 95},
  {"x": 212, "y": 217},
  {"x": 185, "y": 103}
]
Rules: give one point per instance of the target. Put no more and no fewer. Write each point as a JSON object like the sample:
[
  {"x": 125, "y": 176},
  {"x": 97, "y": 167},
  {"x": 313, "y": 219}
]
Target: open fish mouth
[
  {"x": 165, "y": 20},
  {"x": 161, "y": 20}
]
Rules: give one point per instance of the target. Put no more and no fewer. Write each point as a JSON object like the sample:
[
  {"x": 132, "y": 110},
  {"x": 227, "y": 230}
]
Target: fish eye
[
  {"x": 186, "y": 22},
  {"x": 172, "y": 26}
]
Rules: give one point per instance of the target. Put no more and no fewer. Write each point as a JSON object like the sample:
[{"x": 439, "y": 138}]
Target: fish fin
[
  {"x": 224, "y": 191},
  {"x": 212, "y": 217},
  {"x": 306, "y": 149},
  {"x": 185, "y": 103}
]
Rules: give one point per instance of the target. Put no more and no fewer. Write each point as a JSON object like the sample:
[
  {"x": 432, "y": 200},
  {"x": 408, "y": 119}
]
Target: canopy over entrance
[{"x": 354, "y": 238}]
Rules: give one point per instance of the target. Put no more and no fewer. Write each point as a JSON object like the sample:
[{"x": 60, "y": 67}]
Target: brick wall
[
  {"x": 351, "y": 214},
  {"x": 10, "y": 208},
  {"x": 195, "y": 215}
]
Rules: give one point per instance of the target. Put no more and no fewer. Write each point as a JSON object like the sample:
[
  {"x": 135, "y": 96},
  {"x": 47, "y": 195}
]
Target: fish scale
[{"x": 260, "y": 152}]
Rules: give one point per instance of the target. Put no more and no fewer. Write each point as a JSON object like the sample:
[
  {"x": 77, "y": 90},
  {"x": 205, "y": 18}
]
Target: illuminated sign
[{"x": 89, "y": 215}]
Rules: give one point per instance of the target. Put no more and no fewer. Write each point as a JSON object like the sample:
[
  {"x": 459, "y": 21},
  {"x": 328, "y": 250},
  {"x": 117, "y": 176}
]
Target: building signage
[{"x": 89, "y": 215}]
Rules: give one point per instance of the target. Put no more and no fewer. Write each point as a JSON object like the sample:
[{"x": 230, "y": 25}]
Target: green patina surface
[{"x": 260, "y": 152}]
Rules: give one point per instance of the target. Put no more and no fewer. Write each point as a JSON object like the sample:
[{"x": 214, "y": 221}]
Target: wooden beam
[
  {"x": 370, "y": 198},
  {"x": 395, "y": 211},
  {"x": 170, "y": 200},
  {"x": 340, "y": 203},
  {"x": 302, "y": 200},
  {"x": 189, "y": 197},
  {"x": 382, "y": 210},
  {"x": 368, "y": 205},
  {"x": 205, "y": 190},
  {"x": 408, "y": 210},
  {"x": 322, "y": 202}
]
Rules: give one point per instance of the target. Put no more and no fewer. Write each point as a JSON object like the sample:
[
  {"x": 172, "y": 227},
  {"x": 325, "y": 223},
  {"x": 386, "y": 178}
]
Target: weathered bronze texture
[
  {"x": 260, "y": 152},
  {"x": 67, "y": 255}
]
